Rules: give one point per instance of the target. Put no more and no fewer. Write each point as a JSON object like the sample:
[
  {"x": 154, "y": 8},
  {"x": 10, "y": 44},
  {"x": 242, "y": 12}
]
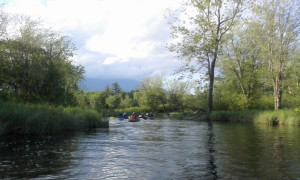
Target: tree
[
  {"x": 3, "y": 22},
  {"x": 291, "y": 96},
  {"x": 37, "y": 63},
  {"x": 293, "y": 75},
  {"x": 126, "y": 102},
  {"x": 113, "y": 101},
  {"x": 242, "y": 68},
  {"x": 279, "y": 23},
  {"x": 116, "y": 88},
  {"x": 199, "y": 37},
  {"x": 152, "y": 88},
  {"x": 176, "y": 91}
]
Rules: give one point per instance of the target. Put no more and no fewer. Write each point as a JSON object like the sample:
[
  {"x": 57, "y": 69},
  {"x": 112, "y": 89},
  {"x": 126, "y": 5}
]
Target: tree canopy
[
  {"x": 36, "y": 62},
  {"x": 253, "y": 45}
]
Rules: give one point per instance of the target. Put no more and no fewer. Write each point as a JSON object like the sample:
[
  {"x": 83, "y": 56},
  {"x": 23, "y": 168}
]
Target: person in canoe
[
  {"x": 121, "y": 117},
  {"x": 151, "y": 116},
  {"x": 143, "y": 116},
  {"x": 125, "y": 115},
  {"x": 133, "y": 118}
]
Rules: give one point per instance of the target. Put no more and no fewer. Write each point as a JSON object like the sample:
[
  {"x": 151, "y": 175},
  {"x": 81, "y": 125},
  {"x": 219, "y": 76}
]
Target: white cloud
[
  {"x": 112, "y": 60},
  {"x": 129, "y": 23},
  {"x": 63, "y": 14},
  {"x": 118, "y": 44},
  {"x": 111, "y": 35}
]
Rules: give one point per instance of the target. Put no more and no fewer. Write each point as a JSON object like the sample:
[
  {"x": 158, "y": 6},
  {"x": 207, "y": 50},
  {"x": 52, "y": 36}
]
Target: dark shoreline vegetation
[
  {"x": 16, "y": 118},
  {"x": 266, "y": 117}
]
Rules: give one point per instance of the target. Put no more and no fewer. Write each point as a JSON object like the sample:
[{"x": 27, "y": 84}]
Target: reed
[
  {"x": 46, "y": 119},
  {"x": 279, "y": 117}
]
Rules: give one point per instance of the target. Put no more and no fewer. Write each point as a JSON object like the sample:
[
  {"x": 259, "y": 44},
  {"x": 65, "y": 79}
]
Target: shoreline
[{"x": 268, "y": 117}]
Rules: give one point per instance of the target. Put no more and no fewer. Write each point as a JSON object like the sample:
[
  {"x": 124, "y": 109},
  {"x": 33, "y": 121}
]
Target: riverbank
[
  {"x": 279, "y": 117},
  {"x": 16, "y": 118}
]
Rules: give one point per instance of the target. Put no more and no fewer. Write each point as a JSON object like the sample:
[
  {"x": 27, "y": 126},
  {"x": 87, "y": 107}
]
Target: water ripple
[{"x": 156, "y": 149}]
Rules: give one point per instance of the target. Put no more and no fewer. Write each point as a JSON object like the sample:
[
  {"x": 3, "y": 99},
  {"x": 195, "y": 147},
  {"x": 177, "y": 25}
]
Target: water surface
[{"x": 156, "y": 149}]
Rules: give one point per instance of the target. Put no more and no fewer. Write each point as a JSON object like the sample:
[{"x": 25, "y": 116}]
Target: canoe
[
  {"x": 133, "y": 120},
  {"x": 143, "y": 117}
]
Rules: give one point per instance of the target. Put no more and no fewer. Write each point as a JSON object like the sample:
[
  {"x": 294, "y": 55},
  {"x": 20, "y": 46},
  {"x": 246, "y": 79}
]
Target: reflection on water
[
  {"x": 157, "y": 149},
  {"x": 211, "y": 149},
  {"x": 22, "y": 157},
  {"x": 258, "y": 151}
]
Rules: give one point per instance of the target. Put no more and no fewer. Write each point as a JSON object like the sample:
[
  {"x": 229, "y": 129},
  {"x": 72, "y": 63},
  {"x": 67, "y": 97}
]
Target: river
[{"x": 156, "y": 149}]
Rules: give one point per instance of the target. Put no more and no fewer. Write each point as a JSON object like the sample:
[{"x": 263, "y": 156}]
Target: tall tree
[
  {"x": 279, "y": 34},
  {"x": 199, "y": 35},
  {"x": 116, "y": 88},
  {"x": 241, "y": 65}
]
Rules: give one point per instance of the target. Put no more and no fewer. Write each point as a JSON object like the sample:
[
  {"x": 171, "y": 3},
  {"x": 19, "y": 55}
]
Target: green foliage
[
  {"x": 274, "y": 118},
  {"x": 113, "y": 101},
  {"x": 151, "y": 92},
  {"x": 46, "y": 119},
  {"x": 36, "y": 63},
  {"x": 116, "y": 89},
  {"x": 126, "y": 102},
  {"x": 264, "y": 102},
  {"x": 137, "y": 110},
  {"x": 188, "y": 115},
  {"x": 290, "y": 101},
  {"x": 200, "y": 37}
]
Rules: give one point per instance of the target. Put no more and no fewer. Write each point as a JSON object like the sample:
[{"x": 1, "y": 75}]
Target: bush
[{"x": 46, "y": 119}]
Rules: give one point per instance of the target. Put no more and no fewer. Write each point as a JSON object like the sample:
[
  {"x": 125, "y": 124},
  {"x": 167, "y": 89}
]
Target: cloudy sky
[{"x": 116, "y": 39}]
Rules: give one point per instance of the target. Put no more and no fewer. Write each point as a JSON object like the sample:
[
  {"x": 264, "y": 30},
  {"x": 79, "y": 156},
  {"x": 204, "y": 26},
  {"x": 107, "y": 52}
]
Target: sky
[{"x": 116, "y": 39}]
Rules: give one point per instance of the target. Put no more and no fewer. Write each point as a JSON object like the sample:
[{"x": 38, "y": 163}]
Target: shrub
[{"x": 46, "y": 119}]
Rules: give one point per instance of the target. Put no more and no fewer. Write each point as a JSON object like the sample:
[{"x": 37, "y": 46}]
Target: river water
[{"x": 157, "y": 149}]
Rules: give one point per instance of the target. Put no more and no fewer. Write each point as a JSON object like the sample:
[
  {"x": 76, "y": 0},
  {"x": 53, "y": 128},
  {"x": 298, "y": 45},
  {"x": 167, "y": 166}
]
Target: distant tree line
[{"x": 153, "y": 93}]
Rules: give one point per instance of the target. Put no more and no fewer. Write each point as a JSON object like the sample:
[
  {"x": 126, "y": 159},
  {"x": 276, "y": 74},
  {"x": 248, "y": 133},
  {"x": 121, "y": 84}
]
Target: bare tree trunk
[
  {"x": 210, "y": 92},
  {"x": 211, "y": 81},
  {"x": 277, "y": 91}
]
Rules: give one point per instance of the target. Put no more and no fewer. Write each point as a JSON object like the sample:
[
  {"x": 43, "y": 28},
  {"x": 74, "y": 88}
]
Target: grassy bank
[
  {"x": 46, "y": 119},
  {"x": 188, "y": 115},
  {"x": 280, "y": 117}
]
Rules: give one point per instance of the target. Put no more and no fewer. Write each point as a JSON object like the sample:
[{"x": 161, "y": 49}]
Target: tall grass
[
  {"x": 189, "y": 115},
  {"x": 280, "y": 117},
  {"x": 46, "y": 119}
]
